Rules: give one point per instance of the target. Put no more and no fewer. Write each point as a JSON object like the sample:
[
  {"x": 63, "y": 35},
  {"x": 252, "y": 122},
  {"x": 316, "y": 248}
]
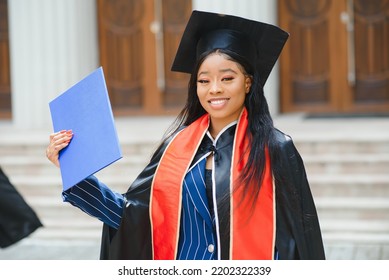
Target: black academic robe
[
  {"x": 17, "y": 218},
  {"x": 298, "y": 234}
]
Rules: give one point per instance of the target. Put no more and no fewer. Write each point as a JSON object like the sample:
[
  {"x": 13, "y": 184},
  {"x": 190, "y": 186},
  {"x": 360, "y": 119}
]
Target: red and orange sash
[{"x": 249, "y": 240}]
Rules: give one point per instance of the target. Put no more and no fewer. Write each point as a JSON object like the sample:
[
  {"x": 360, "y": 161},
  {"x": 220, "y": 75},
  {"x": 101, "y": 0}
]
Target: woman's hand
[{"x": 58, "y": 141}]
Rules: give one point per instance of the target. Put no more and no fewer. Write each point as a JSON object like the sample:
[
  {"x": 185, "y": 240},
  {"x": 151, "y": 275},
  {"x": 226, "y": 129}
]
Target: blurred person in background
[{"x": 17, "y": 219}]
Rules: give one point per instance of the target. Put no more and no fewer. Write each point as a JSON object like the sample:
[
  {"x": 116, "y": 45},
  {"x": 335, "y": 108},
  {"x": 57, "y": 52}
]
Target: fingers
[
  {"x": 58, "y": 141},
  {"x": 61, "y": 137}
]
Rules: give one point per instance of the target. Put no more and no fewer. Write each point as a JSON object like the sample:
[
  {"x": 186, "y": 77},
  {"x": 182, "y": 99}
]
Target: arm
[{"x": 97, "y": 200}]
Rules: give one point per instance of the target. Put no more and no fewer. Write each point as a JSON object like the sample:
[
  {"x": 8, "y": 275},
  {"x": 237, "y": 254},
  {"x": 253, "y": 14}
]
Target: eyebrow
[{"x": 221, "y": 71}]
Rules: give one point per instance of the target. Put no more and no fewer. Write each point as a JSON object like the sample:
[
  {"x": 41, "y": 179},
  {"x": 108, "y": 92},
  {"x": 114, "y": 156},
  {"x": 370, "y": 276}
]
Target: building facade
[{"x": 336, "y": 60}]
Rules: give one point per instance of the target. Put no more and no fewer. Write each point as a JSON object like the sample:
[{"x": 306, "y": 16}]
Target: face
[{"x": 221, "y": 88}]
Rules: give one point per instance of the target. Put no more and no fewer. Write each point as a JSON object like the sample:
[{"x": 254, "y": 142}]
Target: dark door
[
  {"x": 138, "y": 40},
  {"x": 337, "y": 58},
  {"x": 5, "y": 81}
]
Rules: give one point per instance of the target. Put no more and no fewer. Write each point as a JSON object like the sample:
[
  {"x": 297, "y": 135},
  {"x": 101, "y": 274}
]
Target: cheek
[
  {"x": 241, "y": 96},
  {"x": 241, "y": 91},
  {"x": 201, "y": 96}
]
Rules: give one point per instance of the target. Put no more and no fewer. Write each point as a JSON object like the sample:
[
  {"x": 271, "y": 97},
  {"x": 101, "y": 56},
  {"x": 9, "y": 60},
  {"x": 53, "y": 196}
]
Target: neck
[
  {"x": 215, "y": 129},
  {"x": 216, "y": 126},
  {"x": 214, "y": 133}
]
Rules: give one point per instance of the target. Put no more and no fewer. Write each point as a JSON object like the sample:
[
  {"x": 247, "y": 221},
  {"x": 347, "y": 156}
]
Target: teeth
[{"x": 217, "y": 102}]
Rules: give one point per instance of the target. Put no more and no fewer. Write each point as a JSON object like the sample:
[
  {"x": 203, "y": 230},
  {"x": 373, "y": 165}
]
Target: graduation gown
[
  {"x": 17, "y": 218},
  {"x": 293, "y": 228}
]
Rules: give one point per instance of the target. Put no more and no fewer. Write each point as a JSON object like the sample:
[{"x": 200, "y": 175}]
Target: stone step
[
  {"x": 316, "y": 145},
  {"x": 347, "y": 163},
  {"x": 370, "y": 231},
  {"x": 32, "y": 248},
  {"x": 355, "y": 238},
  {"x": 69, "y": 233},
  {"x": 349, "y": 185},
  {"x": 364, "y": 209},
  {"x": 356, "y": 226}
]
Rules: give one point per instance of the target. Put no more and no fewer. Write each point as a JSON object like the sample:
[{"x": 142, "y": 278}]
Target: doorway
[
  {"x": 138, "y": 40},
  {"x": 5, "y": 80},
  {"x": 336, "y": 59}
]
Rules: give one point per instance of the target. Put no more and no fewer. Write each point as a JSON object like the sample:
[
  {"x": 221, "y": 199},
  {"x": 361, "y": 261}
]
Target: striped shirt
[
  {"x": 197, "y": 233},
  {"x": 97, "y": 200}
]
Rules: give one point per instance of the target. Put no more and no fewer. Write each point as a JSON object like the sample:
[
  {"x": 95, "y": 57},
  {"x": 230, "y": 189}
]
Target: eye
[
  {"x": 202, "y": 81},
  {"x": 227, "y": 79}
]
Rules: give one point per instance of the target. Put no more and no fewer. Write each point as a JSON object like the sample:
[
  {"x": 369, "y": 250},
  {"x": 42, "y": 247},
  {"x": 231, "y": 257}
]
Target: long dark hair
[{"x": 261, "y": 131}]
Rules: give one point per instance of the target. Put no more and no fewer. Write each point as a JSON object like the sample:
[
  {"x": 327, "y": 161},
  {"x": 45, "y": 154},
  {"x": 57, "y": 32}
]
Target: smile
[{"x": 217, "y": 102}]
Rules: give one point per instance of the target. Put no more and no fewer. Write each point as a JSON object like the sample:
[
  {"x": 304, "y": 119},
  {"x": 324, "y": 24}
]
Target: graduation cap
[{"x": 258, "y": 43}]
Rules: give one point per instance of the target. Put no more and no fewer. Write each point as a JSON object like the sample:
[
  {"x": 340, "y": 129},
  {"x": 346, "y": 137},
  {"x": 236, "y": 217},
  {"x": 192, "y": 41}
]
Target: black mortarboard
[{"x": 257, "y": 42}]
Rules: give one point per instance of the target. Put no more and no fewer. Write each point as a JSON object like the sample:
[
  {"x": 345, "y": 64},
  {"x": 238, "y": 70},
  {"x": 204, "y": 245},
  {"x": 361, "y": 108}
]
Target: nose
[{"x": 215, "y": 87}]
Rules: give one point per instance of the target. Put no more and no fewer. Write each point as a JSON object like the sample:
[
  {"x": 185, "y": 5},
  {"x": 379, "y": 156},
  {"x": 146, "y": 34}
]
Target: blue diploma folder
[{"x": 85, "y": 108}]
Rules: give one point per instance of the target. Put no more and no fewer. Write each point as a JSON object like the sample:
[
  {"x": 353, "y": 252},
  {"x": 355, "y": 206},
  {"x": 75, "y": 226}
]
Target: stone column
[{"x": 53, "y": 44}]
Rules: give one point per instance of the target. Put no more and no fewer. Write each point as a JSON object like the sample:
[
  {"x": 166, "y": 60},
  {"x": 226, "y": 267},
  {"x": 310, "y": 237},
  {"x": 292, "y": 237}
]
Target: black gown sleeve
[
  {"x": 298, "y": 229},
  {"x": 313, "y": 242},
  {"x": 17, "y": 218}
]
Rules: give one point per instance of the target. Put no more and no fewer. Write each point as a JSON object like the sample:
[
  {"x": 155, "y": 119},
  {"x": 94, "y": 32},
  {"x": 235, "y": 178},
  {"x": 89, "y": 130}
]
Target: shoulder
[
  {"x": 283, "y": 140},
  {"x": 287, "y": 151},
  {"x": 286, "y": 147}
]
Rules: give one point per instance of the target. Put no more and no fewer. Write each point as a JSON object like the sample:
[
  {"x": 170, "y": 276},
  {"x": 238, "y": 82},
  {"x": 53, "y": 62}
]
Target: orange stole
[
  {"x": 253, "y": 240},
  {"x": 252, "y": 230},
  {"x": 165, "y": 200}
]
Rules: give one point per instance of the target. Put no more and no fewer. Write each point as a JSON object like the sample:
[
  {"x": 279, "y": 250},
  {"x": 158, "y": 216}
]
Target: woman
[{"x": 224, "y": 184}]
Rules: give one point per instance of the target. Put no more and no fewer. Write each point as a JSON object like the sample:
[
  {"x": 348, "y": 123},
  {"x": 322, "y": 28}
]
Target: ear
[{"x": 247, "y": 85}]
